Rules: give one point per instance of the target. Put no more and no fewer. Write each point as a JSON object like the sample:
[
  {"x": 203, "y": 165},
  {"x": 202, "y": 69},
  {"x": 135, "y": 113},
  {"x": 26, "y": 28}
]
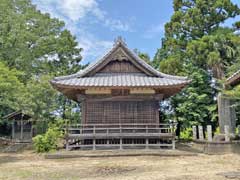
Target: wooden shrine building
[
  {"x": 119, "y": 97},
  {"x": 22, "y": 126}
]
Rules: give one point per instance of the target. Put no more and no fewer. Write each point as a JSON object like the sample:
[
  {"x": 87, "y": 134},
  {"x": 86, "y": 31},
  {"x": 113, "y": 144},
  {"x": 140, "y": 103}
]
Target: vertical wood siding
[
  {"x": 121, "y": 112},
  {"x": 120, "y": 67}
]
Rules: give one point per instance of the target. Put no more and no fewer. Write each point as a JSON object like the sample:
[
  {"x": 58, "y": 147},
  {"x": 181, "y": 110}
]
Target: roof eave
[{"x": 234, "y": 79}]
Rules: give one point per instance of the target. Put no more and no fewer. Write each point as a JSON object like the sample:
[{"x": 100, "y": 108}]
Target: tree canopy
[
  {"x": 34, "y": 48},
  {"x": 197, "y": 45}
]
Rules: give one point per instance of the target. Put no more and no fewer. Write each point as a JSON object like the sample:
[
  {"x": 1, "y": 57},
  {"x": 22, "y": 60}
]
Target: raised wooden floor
[{"x": 120, "y": 136}]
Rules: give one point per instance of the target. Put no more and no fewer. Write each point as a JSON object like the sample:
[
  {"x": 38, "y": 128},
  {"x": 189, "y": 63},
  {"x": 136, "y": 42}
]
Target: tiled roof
[
  {"x": 119, "y": 80},
  {"x": 120, "y": 43},
  {"x": 84, "y": 78}
]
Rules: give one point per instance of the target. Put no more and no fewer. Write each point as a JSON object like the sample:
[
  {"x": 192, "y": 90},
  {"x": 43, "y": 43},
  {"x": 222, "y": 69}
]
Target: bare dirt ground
[{"x": 30, "y": 166}]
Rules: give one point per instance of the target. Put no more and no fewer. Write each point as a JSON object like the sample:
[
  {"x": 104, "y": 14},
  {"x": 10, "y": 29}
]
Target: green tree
[
  {"x": 143, "y": 56},
  {"x": 234, "y": 93},
  {"x": 195, "y": 105},
  {"x": 35, "y": 43},
  {"x": 192, "y": 19},
  {"x": 39, "y": 47},
  {"x": 11, "y": 89},
  {"x": 197, "y": 46},
  {"x": 40, "y": 100},
  {"x": 215, "y": 52}
]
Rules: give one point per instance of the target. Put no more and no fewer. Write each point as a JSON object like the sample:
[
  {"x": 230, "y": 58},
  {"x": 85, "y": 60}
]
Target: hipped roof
[
  {"x": 92, "y": 77},
  {"x": 89, "y": 77}
]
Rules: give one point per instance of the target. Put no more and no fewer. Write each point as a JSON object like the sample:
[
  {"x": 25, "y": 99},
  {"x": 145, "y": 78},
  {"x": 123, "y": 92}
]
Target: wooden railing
[{"x": 76, "y": 134}]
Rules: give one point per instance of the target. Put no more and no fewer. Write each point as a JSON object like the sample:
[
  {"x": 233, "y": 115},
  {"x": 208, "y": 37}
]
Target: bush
[
  {"x": 48, "y": 141},
  {"x": 217, "y": 131},
  {"x": 186, "y": 134}
]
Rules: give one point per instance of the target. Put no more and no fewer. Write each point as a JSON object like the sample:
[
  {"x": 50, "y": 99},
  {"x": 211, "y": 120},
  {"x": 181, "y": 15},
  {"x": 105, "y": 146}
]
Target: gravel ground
[{"x": 30, "y": 166}]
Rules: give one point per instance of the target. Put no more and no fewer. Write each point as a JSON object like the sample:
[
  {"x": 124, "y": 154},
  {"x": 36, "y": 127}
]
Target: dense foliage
[
  {"x": 50, "y": 140},
  {"x": 197, "y": 45},
  {"x": 33, "y": 49}
]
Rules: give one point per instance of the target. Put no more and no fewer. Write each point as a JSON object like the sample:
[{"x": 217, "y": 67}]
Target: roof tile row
[{"x": 120, "y": 80}]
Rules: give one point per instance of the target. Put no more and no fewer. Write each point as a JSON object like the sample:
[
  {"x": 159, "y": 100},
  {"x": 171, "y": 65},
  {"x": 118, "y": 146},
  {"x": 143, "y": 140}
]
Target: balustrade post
[
  {"x": 67, "y": 135},
  {"x": 147, "y": 143},
  {"x": 67, "y": 144},
  {"x": 81, "y": 130},
  {"x": 94, "y": 137},
  {"x": 94, "y": 144},
  {"x": 121, "y": 143},
  {"x": 173, "y": 143},
  {"x": 94, "y": 130}
]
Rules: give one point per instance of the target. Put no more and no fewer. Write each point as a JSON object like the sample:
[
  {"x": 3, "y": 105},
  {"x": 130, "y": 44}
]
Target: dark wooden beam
[{"x": 140, "y": 97}]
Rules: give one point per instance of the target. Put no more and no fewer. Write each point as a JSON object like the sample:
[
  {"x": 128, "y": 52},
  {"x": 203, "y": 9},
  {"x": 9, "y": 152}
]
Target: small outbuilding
[{"x": 21, "y": 126}]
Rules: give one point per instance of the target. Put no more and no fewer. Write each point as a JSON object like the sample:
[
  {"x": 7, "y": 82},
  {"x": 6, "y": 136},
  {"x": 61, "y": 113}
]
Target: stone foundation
[{"x": 217, "y": 147}]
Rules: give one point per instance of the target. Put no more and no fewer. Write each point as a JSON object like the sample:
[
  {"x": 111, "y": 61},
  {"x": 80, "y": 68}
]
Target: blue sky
[{"x": 96, "y": 23}]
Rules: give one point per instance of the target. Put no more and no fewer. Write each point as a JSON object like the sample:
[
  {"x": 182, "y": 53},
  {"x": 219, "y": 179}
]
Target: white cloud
[
  {"x": 75, "y": 13},
  {"x": 78, "y": 9},
  {"x": 117, "y": 25},
  {"x": 154, "y": 31},
  {"x": 93, "y": 48}
]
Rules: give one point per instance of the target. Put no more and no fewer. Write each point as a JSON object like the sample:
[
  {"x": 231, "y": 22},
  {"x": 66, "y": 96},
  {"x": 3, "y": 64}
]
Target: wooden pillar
[
  {"x": 13, "y": 129},
  {"x": 226, "y": 114},
  {"x": 147, "y": 143},
  {"x": 67, "y": 136},
  {"x": 21, "y": 133},
  {"x": 67, "y": 144},
  {"x": 31, "y": 131},
  {"x": 94, "y": 138},
  {"x": 200, "y": 132},
  {"x": 120, "y": 129},
  {"x": 226, "y": 133},
  {"x": 157, "y": 113},
  {"x": 194, "y": 129},
  {"x": 121, "y": 143},
  {"x": 94, "y": 144},
  {"x": 209, "y": 132},
  {"x": 173, "y": 144}
]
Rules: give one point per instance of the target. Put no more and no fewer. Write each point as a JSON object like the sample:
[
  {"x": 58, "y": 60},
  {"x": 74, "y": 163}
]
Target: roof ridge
[{"x": 119, "y": 42}]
